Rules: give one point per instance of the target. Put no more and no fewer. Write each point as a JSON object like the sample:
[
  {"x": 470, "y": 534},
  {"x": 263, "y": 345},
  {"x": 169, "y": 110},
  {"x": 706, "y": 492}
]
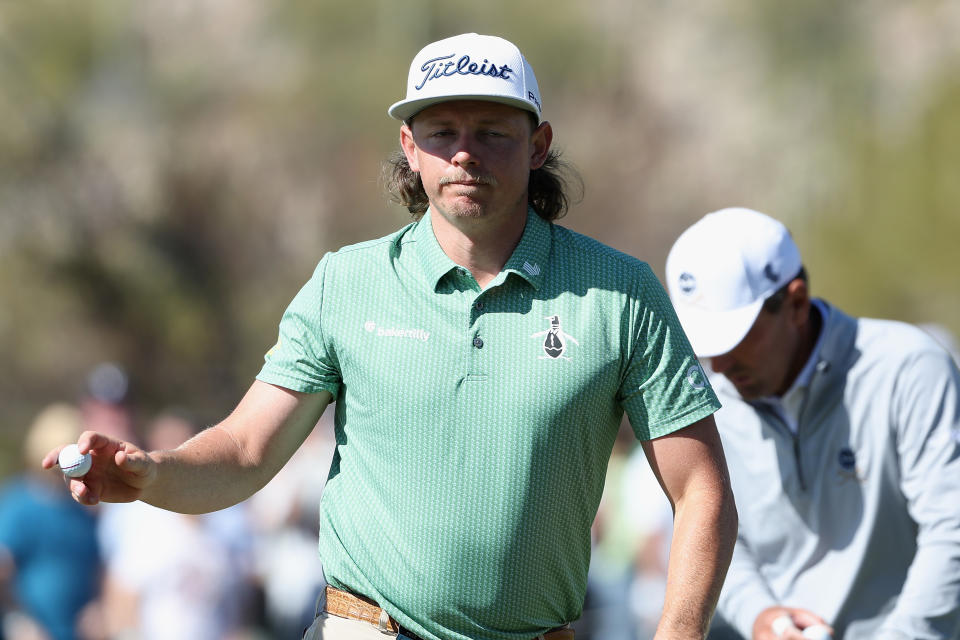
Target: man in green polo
[{"x": 481, "y": 359}]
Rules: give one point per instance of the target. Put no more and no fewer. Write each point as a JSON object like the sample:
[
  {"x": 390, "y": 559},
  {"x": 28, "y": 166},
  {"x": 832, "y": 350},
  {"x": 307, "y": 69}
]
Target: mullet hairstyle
[{"x": 546, "y": 188}]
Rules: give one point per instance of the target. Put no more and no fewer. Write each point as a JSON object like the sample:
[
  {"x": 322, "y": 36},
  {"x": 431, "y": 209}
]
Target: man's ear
[
  {"x": 540, "y": 141},
  {"x": 798, "y": 300},
  {"x": 409, "y": 146}
]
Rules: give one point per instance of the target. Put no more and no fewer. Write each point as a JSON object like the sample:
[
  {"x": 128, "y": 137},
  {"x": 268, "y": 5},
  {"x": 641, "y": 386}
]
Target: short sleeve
[
  {"x": 301, "y": 359},
  {"x": 665, "y": 388}
]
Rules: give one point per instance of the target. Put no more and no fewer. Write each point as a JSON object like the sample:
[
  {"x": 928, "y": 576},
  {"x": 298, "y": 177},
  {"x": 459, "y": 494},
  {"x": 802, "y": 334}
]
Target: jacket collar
[{"x": 836, "y": 352}]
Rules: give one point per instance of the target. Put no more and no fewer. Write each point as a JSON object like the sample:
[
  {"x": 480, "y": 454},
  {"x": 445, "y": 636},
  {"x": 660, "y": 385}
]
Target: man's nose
[{"x": 464, "y": 151}]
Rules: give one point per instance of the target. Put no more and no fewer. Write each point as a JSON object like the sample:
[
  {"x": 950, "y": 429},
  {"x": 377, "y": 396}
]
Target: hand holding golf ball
[
  {"x": 73, "y": 463},
  {"x": 112, "y": 470}
]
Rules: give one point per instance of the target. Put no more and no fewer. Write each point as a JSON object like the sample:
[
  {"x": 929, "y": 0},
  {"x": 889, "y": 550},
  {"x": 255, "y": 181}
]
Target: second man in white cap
[{"x": 842, "y": 438}]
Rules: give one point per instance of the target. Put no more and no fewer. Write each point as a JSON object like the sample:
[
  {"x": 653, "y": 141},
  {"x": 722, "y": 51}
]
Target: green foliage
[{"x": 888, "y": 247}]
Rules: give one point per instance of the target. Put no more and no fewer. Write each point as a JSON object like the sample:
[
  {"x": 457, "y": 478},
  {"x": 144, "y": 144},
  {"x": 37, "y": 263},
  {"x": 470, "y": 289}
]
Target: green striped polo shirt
[{"x": 473, "y": 427}]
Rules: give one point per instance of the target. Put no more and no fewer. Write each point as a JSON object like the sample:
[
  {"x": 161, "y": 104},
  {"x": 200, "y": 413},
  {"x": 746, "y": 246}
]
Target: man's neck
[{"x": 481, "y": 246}]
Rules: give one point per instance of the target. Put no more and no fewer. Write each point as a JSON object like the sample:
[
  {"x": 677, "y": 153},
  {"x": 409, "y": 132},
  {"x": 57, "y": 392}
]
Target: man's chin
[
  {"x": 465, "y": 208},
  {"x": 747, "y": 390}
]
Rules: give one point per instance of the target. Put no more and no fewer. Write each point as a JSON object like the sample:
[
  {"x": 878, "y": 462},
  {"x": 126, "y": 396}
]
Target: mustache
[{"x": 466, "y": 177}]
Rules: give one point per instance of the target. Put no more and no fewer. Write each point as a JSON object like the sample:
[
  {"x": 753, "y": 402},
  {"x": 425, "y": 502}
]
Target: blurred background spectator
[
  {"x": 49, "y": 558},
  {"x": 171, "y": 575},
  {"x": 628, "y": 567},
  {"x": 286, "y": 519},
  {"x": 615, "y": 549},
  {"x": 105, "y": 402}
]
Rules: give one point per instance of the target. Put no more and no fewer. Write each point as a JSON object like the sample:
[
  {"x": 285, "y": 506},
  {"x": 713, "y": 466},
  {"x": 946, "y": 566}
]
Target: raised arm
[
  {"x": 691, "y": 468},
  {"x": 215, "y": 469}
]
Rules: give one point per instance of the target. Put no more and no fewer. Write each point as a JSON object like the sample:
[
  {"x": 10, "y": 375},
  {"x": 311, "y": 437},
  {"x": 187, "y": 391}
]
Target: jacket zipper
[{"x": 796, "y": 458}]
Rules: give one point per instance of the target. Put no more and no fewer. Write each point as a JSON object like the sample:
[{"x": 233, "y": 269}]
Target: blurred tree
[
  {"x": 885, "y": 246},
  {"x": 170, "y": 172}
]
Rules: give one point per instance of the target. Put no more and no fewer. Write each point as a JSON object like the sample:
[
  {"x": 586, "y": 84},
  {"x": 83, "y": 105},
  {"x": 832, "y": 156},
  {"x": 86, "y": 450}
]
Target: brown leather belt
[{"x": 347, "y": 605}]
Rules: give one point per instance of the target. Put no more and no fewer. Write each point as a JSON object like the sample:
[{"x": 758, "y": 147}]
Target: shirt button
[
  {"x": 478, "y": 342},
  {"x": 478, "y": 306}
]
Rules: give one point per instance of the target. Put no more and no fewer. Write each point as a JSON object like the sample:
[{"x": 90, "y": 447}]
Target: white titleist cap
[
  {"x": 720, "y": 271},
  {"x": 469, "y": 67}
]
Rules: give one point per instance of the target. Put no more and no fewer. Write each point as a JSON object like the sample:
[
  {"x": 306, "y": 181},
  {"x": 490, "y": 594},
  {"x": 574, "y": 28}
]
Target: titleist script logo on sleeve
[{"x": 436, "y": 68}]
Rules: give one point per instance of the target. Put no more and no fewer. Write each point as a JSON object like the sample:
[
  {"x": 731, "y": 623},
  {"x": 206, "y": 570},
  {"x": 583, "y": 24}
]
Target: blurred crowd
[
  {"x": 135, "y": 572},
  {"x": 252, "y": 572}
]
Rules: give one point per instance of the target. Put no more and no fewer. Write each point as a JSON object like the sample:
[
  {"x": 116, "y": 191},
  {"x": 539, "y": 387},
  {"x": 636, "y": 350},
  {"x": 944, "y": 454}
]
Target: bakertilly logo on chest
[{"x": 396, "y": 332}]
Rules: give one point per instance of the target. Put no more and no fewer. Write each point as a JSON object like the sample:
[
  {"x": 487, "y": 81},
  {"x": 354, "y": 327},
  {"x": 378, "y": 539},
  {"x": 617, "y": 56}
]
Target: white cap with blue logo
[
  {"x": 469, "y": 67},
  {"x": 722, "y": 269}
]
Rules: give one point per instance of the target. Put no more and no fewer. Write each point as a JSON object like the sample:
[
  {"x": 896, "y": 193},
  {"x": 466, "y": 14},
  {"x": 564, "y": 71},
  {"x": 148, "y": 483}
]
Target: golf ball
[
  {"x": 73, "y": 463},
  {"x": 781, "y": 624}
]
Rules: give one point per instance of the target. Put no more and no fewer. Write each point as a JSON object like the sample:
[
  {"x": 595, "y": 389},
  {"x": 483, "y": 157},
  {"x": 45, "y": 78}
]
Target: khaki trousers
[
  {"x": 329, "y": 627},
  {"x": 344, "y": 616}
]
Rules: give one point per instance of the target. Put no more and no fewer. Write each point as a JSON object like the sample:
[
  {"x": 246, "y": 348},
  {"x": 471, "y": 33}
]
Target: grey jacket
[{"x": 857, "y": 516}]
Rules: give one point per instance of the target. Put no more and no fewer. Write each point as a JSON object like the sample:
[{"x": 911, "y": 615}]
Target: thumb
[{"x": 136, "y": 463}]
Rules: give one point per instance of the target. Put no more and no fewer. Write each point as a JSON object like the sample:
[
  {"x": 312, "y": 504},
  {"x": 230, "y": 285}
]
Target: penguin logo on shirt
[{"x": 555, "y": 340}]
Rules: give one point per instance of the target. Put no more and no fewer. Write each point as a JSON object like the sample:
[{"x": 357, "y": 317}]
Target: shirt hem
[
  {"x": 683, "y": 420},
  {"x": 297, "y": 384}
]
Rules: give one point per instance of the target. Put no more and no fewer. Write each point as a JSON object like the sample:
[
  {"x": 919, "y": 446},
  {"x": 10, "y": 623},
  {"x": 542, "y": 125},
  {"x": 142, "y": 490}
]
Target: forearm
[
  {"x": 231, "y": 461},
  {"x": 705, "y": 528},
  {"x": 211, "y": 471}
]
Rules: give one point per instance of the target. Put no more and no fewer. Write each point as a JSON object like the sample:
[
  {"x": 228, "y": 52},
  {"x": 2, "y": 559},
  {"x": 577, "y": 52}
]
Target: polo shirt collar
[
  {"x": 528, "y": 260},
  {"x": 435, "y": 262}
]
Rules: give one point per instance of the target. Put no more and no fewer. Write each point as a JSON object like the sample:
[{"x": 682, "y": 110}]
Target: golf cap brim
[
  {"x": 469, "y": 67},
  {"x": 721, "y": 270}
]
